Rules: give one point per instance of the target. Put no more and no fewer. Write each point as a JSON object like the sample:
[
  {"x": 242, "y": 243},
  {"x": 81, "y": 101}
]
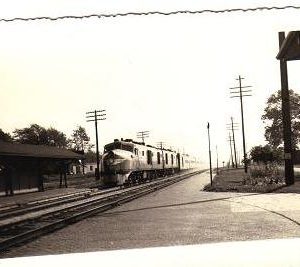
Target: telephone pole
[
  {"x": 240, "y": 93},
  {"x": 217, "y": 160},
  {"x": 231, "y": 156},
  {"x": 95, "y": 116},
  {"x": 232, "y": 127},
  {"x": 210, "y": 168},
  {"x": 143, "y": 135}
]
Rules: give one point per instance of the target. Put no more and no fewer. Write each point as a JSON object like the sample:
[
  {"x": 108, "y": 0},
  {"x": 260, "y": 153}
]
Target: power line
[{"x": 176, "y": 12}]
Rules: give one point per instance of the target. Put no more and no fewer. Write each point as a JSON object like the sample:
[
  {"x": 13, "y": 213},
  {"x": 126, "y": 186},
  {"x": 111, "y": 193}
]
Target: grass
[
  {"x": 76, "y": 181},
  {"x": 258, "y": 179}
]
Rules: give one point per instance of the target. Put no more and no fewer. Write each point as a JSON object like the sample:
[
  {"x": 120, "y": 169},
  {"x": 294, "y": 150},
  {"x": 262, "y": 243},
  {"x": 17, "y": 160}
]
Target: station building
[
  {"x": 22, "y": 166},
  {"x": 87, "y": 168}
]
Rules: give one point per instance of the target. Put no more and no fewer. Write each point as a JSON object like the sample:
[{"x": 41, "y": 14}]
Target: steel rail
[{"x": 18, "y": 210}]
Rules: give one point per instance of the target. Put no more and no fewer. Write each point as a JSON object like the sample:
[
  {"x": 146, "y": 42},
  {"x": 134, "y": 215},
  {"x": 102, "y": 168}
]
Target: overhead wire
[{"x": 177, "y": 12}]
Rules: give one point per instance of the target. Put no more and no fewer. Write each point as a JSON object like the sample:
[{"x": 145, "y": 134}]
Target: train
[{"x": 127, "y": 162}]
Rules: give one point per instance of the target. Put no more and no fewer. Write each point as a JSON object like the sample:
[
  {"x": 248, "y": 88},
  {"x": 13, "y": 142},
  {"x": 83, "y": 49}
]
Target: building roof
[
  {"x": 290, "y": 48},
  {"x": 36, "y": 151}
]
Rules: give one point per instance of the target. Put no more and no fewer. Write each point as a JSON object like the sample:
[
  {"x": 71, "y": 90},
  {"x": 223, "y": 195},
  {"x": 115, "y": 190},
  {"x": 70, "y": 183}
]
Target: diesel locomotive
[{"x": 126, "y": 162}]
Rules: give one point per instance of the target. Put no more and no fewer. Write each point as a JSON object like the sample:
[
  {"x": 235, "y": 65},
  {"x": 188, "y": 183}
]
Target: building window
[
  {"x": 182, "y": 161},
  {"x": 143, "y": 153},
  {"x": 158, "y": 158},
  {"x": 91, "y": 168},
  {"x": 136, "y": 152},
  {"x": 166, "y": 159}
]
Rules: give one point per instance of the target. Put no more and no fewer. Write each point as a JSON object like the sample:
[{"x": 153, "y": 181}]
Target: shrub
[{"x": 264, "y": 174}]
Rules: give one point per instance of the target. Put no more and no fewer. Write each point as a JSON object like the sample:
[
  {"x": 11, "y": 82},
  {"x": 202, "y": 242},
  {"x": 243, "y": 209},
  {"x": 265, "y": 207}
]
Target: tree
[
  {"x": 265, "y": 154},
  {"x": 38, "y": 135},
  {"x": 272, "y": 117},
  {"x": 80, "y": 140},
  {"x": 6, "y": 137},
  {"x": 35, "y": 135},
  {"x": 56, "y": 138}
]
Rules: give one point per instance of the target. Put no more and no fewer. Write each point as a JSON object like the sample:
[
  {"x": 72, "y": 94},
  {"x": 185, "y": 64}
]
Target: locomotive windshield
[{"x": 119, "y": 145}]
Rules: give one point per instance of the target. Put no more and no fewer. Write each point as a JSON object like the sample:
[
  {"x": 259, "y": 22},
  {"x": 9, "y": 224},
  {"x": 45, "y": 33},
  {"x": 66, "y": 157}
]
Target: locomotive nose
[{"x": 113, "y": 159}]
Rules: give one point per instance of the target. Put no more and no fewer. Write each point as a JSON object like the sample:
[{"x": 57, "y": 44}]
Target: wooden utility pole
[
  {"x": 240, "y": 94},
  {"x": 217, "y": 160},
  {"x": 231, "y": 156},
  {"x": 233, "y": 139},
  {"x": 96, "y": 116},
  {"x": 143, "y": 135},
  {"x": 286, "y": 121},
  {"x": 210, "y": 168}
]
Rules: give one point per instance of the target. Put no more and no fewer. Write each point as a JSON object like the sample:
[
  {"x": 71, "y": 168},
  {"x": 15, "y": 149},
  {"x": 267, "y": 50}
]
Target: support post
[
  {"x": 286, "y": 119},
  {"x": 60, "y": 179}
]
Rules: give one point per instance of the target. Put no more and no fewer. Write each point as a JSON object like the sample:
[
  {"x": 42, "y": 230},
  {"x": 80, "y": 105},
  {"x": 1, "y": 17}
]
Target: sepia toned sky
[{"x": 165, "y": 74}]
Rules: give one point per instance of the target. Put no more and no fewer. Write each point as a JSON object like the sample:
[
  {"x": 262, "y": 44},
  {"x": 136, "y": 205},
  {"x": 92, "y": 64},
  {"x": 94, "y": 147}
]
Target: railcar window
[
  {"x": 91, "y": 168},
  {"x": 172, "y": 159},
  {"x": 182, "y": 161},
  {"x": 143, "y": 153},
  {"x": 109, "y": 147},
  {"x": 149, "y": 157},
  {"x": 166, "y": 158},
  {"x": 127, "y": 147},
  {"x": 158, "y": 158},
  {"x": 136, "y": 152},
  {"x": 119, "y": 145}
]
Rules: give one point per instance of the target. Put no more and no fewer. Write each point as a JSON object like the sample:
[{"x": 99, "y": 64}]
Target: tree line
[
  {"x": 38, "y": 135},
  {"x": 272, "y": 118}
]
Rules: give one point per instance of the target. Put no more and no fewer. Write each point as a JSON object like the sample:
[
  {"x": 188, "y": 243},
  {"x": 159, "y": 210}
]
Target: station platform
[
  {"x": 25, "y": 198},
  {"x": 22, "y": 199},
  {"x": 7, "y": 202}
]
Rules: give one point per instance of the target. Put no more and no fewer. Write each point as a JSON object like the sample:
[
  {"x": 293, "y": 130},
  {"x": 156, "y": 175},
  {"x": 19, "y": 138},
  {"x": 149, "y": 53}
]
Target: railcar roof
[
  {"x": 36, "y": 151},
  {"x": 130, "y": 141}
]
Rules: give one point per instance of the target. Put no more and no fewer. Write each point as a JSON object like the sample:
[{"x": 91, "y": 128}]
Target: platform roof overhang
[
  {"x": 36, "y": 151},
  {"x": 290, "y": 48}
]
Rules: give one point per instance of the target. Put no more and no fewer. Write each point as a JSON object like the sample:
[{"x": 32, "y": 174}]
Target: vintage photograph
[{"x": 166, "y": 130}]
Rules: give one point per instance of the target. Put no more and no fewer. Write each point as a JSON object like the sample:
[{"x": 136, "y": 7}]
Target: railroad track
[
  {"x": 35, "y": 221},
  {"x": 24, "y": 208}
]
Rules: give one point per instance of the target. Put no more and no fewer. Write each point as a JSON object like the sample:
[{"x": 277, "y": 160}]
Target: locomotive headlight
[
  {"x": 118, "y": 161},
  {"x": 114, "y": 161}
]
